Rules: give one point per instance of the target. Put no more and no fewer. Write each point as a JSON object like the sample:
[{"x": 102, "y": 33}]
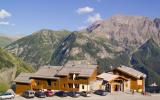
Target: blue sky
[{"x": 22, "y": 17}]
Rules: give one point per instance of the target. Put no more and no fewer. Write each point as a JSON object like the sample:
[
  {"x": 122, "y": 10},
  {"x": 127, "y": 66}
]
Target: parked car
[
  {"x": 85, "y": 94},
  {"x": 28, "y": 94},
  {"x": 40, "y": 94},
  {"x": 61, "y": 93},
  {"x": 74, "y": 94},
  {"x": 49, "y": 93},
  {"x": 7, "y": 95},
  {"x": 101, "y": 92}
]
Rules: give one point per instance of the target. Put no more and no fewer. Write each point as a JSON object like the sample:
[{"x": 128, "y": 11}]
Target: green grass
[
  {"x": 3, "y": 87},
  {"x": 4, "y": 41},
  {"x": 7, "y": 61}
]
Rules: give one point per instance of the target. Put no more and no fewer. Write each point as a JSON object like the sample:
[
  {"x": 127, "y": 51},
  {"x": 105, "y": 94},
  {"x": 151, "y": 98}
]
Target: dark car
[
  {"x": 49, "y": 93},
  {"x": 74, "y": 94},
  {"x": 61, "y": 93},
  {"x": 28, "y": 94},
  {"x": 40, "y": 94},
  {"x": 101, "y": 92},
  {"x": 85, "y": 94}
]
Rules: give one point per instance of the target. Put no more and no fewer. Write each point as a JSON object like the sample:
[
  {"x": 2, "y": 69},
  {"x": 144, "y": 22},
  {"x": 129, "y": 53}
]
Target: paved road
[{"x": 117, "y": 96}]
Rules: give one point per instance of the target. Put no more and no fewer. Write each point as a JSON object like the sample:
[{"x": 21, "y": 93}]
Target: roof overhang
[
  {"x": 137, "y": 77},
  {"x": 44, "y": 77}
]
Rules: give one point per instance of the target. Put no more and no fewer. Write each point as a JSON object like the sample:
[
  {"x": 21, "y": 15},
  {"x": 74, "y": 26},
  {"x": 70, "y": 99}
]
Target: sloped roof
[
  {"x": 83, "y": 70},
  {"x": 131, "y": 71},
  {"x": 23, "y": 78},
  {"x": 47, "y": 72},
  {"x": 108, "y": 76},
  {"x": 79, "y": 62}
]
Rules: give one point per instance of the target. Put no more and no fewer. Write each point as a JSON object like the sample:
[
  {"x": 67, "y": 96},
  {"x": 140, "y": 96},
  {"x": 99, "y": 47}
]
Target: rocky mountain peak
[{"x": 122, "y": 28}]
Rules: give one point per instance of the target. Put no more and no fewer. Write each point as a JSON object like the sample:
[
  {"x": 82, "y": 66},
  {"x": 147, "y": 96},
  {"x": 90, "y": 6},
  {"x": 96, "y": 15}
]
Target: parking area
[{"x": 113, "y": 96}]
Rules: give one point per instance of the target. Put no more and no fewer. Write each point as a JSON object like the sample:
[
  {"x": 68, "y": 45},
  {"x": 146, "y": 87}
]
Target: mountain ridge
[{"x": 111, "y": 42}]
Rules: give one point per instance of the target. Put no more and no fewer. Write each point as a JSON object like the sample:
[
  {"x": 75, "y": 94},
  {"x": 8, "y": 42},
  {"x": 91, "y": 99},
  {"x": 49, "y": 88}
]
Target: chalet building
[
  {"x": 74, "y": 76},
  {"x": 77, "y": 77},
  {"x": 81, "y": 76},
  {"x": 123, "y": 79},
  {"x": 45, "y": 78},
  {"x": 23, "y": 82}
]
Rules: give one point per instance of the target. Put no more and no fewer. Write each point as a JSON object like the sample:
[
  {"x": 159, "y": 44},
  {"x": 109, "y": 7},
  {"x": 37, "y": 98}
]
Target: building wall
[
  {"x": 68, "y": 84},
  {"x": 93, "y": 76},
  {"x": 65, "y": 81},
  {"x": 133, "y": 81},
  {"x": 136, "y": 86},
  {"x": 21, "y": 87},
  {"x": 84, "y": 87},
  {"x": 43, "y": 84}
]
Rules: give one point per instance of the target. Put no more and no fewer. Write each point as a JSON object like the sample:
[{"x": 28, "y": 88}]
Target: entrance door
[{"x": 117, "y": 87}]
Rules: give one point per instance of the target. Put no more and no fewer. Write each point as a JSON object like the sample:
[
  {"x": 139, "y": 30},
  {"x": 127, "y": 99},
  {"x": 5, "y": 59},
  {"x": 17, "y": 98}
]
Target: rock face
[
  {"x": 38, "y": 47},
  {"x": 128, "y": 30},
  {"x": 111, "y": 42}
]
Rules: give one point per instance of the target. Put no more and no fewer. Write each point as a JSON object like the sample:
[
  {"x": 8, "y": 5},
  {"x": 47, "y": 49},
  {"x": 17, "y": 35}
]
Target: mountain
[
  {"x": 146, "y": 59},
  {"x": 80, "y": 46},
  {"x": 10, "y": 67},
  {"x": 157, "y": 22},
  {"x": 110, "y": 42},
  {"x": 4, "y": 41},
  {"x": 38, "y": 47},
  {"x": 127, "y": 30}
]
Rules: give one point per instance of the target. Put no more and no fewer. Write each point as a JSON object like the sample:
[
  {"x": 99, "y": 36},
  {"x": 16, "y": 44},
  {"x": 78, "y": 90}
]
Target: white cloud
[
  {"x": 94, "y": 18},
  {"x": 4, "y": 14},
  {"x": 6, "y": 23},
  {"x": 85, "y": 10},
  {"x": 82, "y": 27}
]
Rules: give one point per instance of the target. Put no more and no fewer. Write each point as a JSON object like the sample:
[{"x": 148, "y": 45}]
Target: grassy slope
[
  {"x": 4, "y": 41},
  {"x": 146, "y": 59},
  {"x": 8, "y": 61}
]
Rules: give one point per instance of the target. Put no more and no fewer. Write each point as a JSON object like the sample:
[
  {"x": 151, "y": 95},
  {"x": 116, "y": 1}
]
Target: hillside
[
  {"x": 110, "y": 42},
  {"x": 4, "y": 41},
  {"x": 38, "y": 47},
  {"x": 10, "y": 67},
  {"x": 146, "y": 59}
]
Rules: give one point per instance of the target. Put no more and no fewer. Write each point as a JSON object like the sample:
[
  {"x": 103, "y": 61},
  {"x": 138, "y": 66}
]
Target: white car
[{"x": 7, "y": 95}]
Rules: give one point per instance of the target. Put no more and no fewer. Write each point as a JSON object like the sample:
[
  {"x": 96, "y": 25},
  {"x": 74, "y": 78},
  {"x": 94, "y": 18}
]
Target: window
[
  {"x": 76, "y": 85},
  {"x": 71, "y": 76},
  {"x": 64, "y": 85},
  {"x": 126, "y": 84},
  {"x": 70, "y": 85},
  {"x": 139, "y": 82},
  {"x": 37, "y": 82},
  {"x": 82, "y": 86},
  {"x": 54, "y": 84},
  {"x": 49, "y": 82}
]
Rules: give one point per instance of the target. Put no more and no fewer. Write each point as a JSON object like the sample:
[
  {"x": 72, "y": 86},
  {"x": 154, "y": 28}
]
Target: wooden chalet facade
[
  {"x": 123, "y": 79},
  {"x": 73, "y": 76},
  {"x": 23, "y": 82},
  {"x": 76, "y": 76}
]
